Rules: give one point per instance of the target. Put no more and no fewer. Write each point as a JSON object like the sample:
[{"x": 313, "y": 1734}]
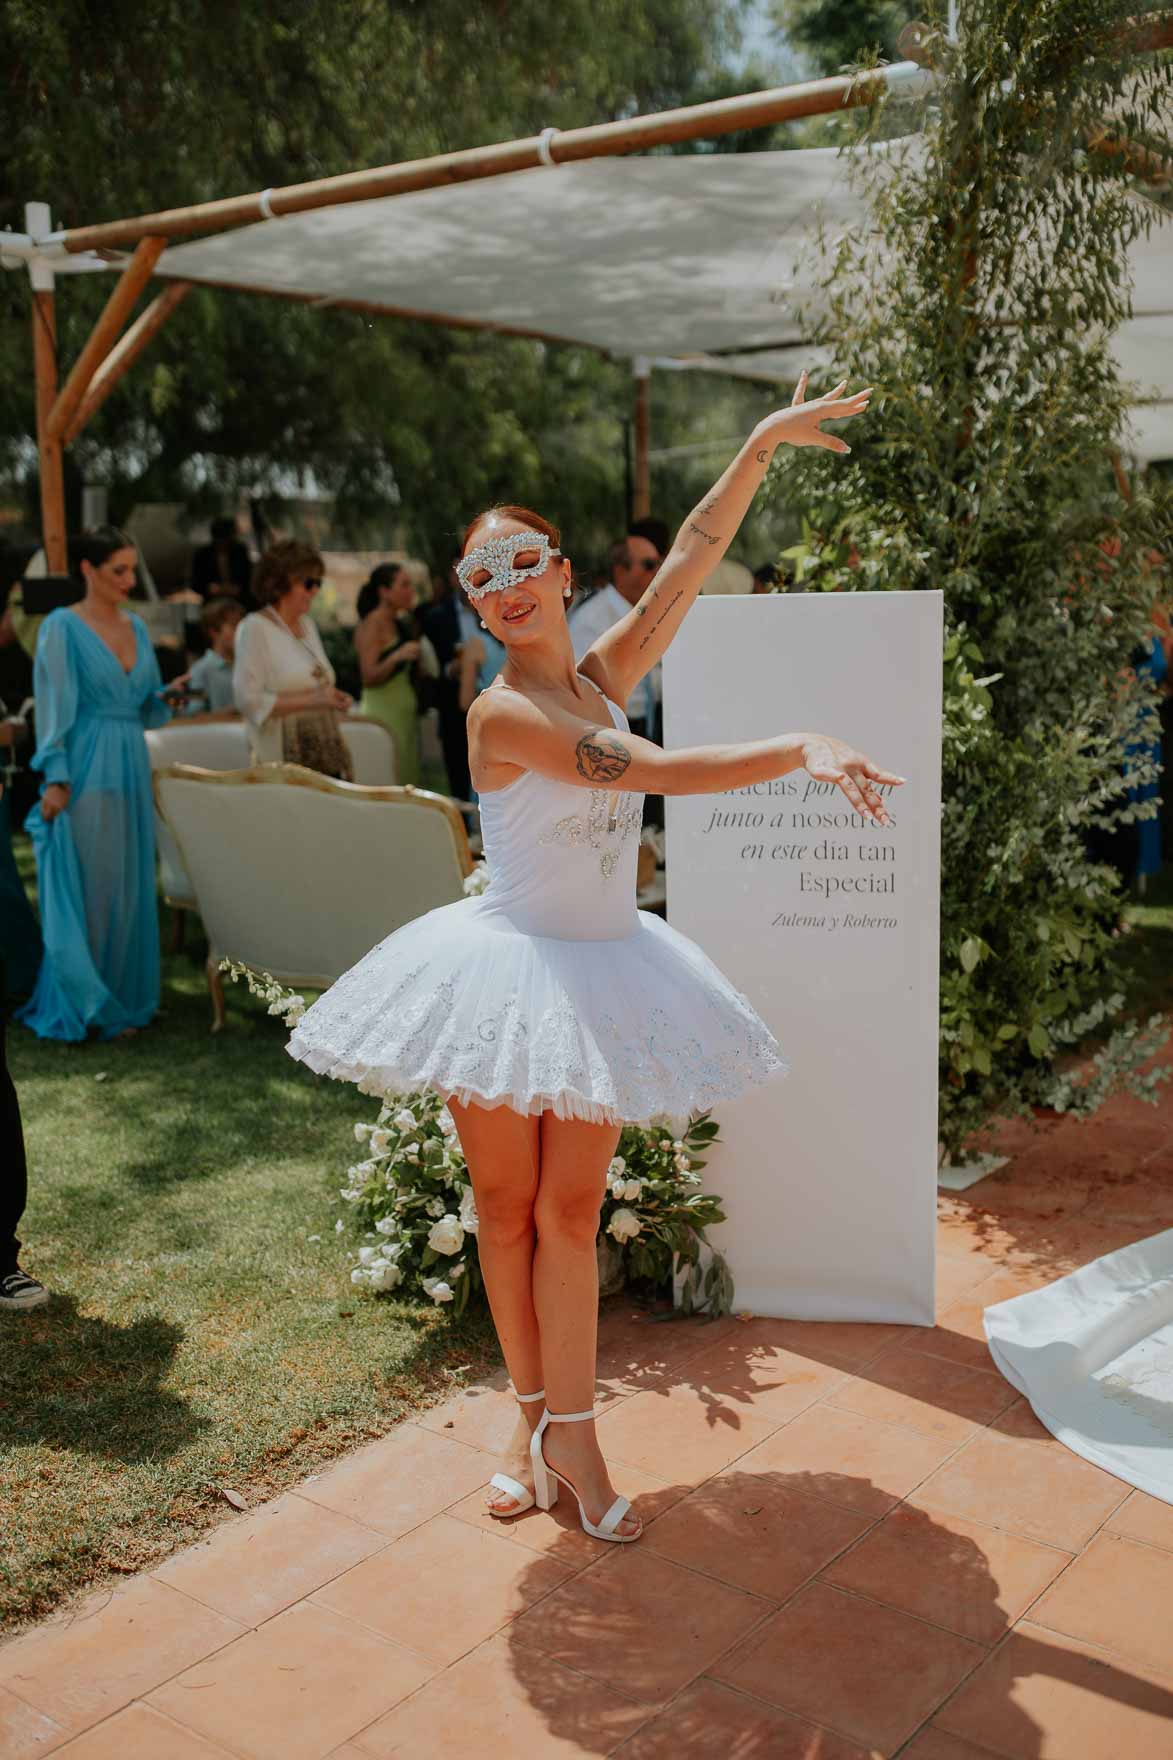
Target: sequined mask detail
[
  {"x": 608, "y": 822},
  {"x": 500, "y": 557}
]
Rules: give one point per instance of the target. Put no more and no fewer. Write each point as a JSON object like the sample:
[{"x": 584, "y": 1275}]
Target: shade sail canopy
[
  {"x": 690, "y": 257},
  {"x": 654, "y": 256}
]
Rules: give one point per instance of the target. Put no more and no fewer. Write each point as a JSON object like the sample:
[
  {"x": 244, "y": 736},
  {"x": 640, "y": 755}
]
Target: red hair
[{"x": 525, "y": 515}]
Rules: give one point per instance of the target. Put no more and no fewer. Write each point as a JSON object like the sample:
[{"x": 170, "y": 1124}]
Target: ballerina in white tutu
[{"x": 549, "y": 1011}]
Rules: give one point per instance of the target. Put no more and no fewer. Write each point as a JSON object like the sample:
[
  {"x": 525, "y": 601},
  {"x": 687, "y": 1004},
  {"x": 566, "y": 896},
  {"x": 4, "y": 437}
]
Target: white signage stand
[{"x": 829, "y": 925}]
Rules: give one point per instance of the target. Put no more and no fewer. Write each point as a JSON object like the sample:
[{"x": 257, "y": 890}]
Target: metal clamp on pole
[{"x": 544, "y": 154}]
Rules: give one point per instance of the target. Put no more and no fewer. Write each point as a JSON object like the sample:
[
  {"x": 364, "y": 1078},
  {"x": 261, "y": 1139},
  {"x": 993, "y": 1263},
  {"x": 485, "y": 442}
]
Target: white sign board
[{"x": 829, "y": 925}]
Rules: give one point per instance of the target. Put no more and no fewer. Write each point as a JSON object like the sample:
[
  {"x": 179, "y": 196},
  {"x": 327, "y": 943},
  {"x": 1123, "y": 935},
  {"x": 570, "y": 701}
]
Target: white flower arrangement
[{"x": 412, "y": 1198}]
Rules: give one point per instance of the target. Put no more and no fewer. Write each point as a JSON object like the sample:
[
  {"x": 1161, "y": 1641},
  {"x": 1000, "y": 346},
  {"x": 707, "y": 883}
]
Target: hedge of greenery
[{"x": 981, "y": 303}]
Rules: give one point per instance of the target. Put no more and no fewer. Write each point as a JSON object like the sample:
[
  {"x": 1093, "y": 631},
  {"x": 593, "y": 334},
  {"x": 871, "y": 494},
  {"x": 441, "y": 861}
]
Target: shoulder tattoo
[{"x": 600, "y": 757}]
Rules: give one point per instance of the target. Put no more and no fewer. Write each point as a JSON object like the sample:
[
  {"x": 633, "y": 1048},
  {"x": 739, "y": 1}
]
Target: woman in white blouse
[{"x": 282, "y": 681}]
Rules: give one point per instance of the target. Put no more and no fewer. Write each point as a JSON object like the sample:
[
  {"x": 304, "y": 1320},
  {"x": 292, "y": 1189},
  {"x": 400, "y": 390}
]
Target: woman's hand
[
  {"x": 54, "y": 800},
  {"x": 799, "y": 425},
  {"x": 408, "y": 653},
  {"x": 832, "y": 760},
  {"x": 330, "y": 698}
]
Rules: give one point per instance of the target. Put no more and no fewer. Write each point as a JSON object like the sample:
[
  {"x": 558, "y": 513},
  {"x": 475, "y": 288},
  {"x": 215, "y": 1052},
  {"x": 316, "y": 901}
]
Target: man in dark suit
[
  {"x": 441, "y": 625},
  {"x": 17, "y": 1288},
  {"x": 222, "y": 569}
]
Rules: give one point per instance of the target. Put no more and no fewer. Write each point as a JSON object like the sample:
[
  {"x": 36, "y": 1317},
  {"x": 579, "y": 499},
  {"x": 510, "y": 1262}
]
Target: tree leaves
[{"x": 986, "y": 472}]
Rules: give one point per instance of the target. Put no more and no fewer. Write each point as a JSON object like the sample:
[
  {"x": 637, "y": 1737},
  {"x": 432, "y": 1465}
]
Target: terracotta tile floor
[{"x": 860, "y": 1543}]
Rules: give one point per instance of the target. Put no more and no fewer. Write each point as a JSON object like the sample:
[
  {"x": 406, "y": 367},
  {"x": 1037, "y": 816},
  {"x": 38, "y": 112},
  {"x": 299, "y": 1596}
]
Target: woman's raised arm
[{"x": 633, "y": 645}]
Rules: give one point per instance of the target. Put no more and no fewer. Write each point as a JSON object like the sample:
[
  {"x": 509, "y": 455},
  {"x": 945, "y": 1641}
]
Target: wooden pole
[
  {"x": 101, "y": 338},
  {"x": 815, "y": 97},
  {"x": 125, "y": 352},
  {"x": 642, "y": 497},
  {"x": 50, "y": 450},
  {"x": 38, "y": 222}
]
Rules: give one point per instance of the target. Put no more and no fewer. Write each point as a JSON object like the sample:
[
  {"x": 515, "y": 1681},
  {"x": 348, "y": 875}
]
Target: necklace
[{"x": 321, "y": 676}]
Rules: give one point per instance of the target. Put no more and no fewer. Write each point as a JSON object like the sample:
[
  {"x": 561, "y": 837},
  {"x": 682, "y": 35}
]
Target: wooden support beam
[
  {"x": 104, "y": 333},
  {"x": 125, "y": 352},
  {"x": 50, "y": 450},
  {"x": 642, "y": 493},
  {"x": 634, "y": 134}
]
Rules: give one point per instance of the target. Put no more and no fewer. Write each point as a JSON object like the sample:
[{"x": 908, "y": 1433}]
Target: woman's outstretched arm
[
  {"x": 632, "y": 646},
  {"x": 508, "y": 735}
]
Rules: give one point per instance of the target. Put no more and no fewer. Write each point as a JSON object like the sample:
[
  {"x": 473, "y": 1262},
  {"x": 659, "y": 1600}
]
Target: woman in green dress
[{"x": 394, "y": 660}]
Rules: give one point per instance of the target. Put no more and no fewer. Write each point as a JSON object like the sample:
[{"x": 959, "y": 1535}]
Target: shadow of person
[
  {"x": 768, "y": 1615},
  {"x": 84, "y": 1385}
]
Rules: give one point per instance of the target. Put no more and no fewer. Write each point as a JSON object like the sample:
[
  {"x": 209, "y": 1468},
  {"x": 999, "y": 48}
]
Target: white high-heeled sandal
[
  {"x": 546, "y": 1481},
  {"x": 513, "y": 1487}
]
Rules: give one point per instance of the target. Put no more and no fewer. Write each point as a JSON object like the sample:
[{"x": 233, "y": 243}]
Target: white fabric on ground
[{"x": 1093, "y": 1353}]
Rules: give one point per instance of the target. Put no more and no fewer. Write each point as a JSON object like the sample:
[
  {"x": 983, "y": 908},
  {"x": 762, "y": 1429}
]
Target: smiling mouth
[{"x": 518, "y": 615}]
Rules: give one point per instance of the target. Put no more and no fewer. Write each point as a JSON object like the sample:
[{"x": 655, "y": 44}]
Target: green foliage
[
  {"x": 833, "y": 34},
  {"x": 120, "y": 109},
  {"x": 980, "y": 302}
]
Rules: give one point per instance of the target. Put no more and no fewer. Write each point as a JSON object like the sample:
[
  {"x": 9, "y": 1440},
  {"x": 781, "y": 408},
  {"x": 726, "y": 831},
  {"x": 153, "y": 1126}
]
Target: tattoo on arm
[
  {"x": 600, "y": 757},
  {"x": 644, "y": 640},
  {"x": 701, "y": 533}
]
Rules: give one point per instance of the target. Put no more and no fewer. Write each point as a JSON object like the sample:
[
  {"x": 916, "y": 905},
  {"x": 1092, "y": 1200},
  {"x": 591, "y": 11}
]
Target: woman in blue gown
[{"x": 97, "y": 686}]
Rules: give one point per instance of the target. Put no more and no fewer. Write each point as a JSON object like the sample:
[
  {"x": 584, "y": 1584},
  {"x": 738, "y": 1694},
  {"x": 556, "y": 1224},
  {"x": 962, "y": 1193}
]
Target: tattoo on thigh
[{"x": 600, "y": 756}]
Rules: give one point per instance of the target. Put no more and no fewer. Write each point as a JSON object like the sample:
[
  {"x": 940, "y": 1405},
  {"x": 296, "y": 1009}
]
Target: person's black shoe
[{"x": 19, "y": 1290}]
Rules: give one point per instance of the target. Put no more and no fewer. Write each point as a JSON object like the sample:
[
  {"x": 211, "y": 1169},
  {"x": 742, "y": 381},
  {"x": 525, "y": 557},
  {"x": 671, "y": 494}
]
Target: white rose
[
  {"x": 665, "y": 1143},
  {"x": 362, "y": 1131},
  {"x": 386, "y": 1225},
  {"x": 446, "y": 1236},
  {"x": 683, "y": 1164},
  {"x": 633, "y": 1189},
  {"x": 469, "y": 1220},
  {"x": 385, "y": 1277},
  {"x": 358, "y": 1276},
  {"x": 380, "y": 1142},
  {"x": 435, "y": 1207},
  {"x": 405, "y": 1120},
  {"x": 618, "y": 1166},
  {"x": 366, "y": 1254},
  {"x": 439, "y": 1290},
  {"x": 624, "y": 1225}
]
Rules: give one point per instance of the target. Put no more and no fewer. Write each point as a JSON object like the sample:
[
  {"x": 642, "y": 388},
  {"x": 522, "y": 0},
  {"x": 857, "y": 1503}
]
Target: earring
[
  {"x": 483, "y": 624},
  {"x": 566, "y": 592}
]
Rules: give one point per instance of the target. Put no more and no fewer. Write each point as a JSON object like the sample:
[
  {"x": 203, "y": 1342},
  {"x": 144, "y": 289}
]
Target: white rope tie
[
  {"x": 266, "y": 205},
  {"x": 544, "y": 153}
]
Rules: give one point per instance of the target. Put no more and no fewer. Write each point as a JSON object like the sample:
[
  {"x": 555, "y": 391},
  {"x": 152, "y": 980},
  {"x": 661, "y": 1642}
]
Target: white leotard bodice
[{"x": 562, "y": 859}]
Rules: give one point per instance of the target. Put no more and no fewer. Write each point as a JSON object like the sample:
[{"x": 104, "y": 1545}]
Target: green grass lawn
[{"x": 199, "y": 1338}]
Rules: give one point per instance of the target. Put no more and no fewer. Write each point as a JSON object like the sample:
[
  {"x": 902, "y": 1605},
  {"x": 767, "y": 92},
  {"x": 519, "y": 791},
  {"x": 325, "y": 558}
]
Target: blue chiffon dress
[{"x": 96, "y": 860}]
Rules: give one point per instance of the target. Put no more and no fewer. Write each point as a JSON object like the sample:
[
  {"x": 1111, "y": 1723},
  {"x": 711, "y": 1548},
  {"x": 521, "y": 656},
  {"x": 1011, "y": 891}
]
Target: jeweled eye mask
[{"x": 505, "y": 561}]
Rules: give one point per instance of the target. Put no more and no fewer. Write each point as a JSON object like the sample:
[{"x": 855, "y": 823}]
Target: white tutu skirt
[{"x": 619, "y": 1031}]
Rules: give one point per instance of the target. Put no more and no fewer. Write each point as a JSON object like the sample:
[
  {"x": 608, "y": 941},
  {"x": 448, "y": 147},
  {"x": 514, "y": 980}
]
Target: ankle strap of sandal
[
  {"x": 568, "y": 1417},
  {"x": 526, "y": 1399}
]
